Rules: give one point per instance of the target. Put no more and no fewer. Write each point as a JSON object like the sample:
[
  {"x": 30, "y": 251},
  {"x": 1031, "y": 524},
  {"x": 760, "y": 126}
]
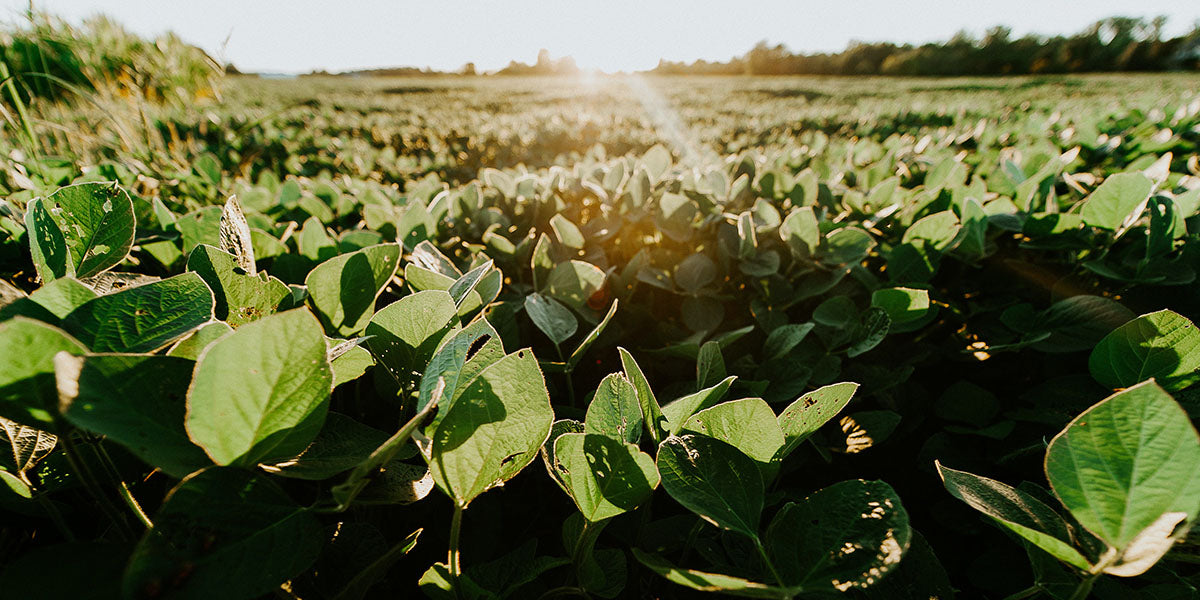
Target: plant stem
[
  {"x": 122, "y": 487},
  {"x": 89, "y": 481},
  {"x": 566, "y": 375},
  {"x": 452, "y": 560},
  {"x": 1028, "y": 592},
  {"x": 1085, "y": 587},
  {"x": 762, "y": 551}
]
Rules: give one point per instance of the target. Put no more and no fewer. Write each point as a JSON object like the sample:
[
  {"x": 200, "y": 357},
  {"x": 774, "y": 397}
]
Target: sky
[{"x": 297, "y": 36}]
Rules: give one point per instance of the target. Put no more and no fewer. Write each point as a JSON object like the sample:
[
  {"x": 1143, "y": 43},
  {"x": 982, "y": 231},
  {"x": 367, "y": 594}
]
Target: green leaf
[
  {"x": 1121, "y": 198},
  {"x": 1022, "y": 513},
  {"x": 62, "y": 296},
  {"x": 714, "y": 480},
  {"x": 454, "y": 365},
  {"x": 495, "y": 428},
  {"x": 872, "y": 329},
  {"x": 1128, "y": 469},
  {"x": 592, "y": 336},
  {"x": 1080, "y": 322},
  {"x": 566, "y": 232},
  {"x": 97, "y": 224},
  {"x": 223, "y": 533},
  {"x": 809, "y": 412},
  {"x": 1163, "y": 345},
  {"x": 901, "y": 304},
  {"x": 367, "y": 576},
  {"x": 678, "y": 412},
  {"x": 694, "y": 273},
  {"x": 47, "y": 246},
  {"x": 405, "y": 334},
  {"x": 194, "y": 344},
  {"x": 350, "y": 363},
  {"x": 748, "y": 424},
  {"x": 552, "y": 318},
  {"x": 136, "y": 400},
  {"x": 240, "y": 297},
  {"x": 604, "y": 476},
  {"x": 261, "y": 393},
  {"x": 710, "y": 365},
  {"x": 652, "y": 415},
  {"x": 341, "y": 445},
  {"x": 142, "y": 318},
  {"x": 800, "y": 231},
  {"x": 847, "y": 245},
  {"x": 845, "y": 536},
  {"x": 573, "y": 283},
  {"x": 710, "y": 582},
  {"x": 343, "y": 290},
  {"x": 235, "y": 236},
  {"x": 938, "y": 232},
  {"x": 28, "y": 394},
  {"x": 614, "y": 410}
]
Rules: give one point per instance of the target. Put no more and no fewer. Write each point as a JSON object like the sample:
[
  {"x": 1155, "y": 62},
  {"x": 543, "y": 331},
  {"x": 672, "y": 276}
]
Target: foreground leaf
[
  {"x": 714, "y": 480},
  {"x": 142, "y": 318},
  {"x": 493, "y": 430},
  {"x": 604, "y": 476},
  {"x": 848, "y": 535},
  {"x": 28, "y": 394},
  {"x": 136, "y": 400},
  {"x": 261, "y": 392},
  {"x": 223, "y": 533},
  {"x": 1127, "y": 463},
  {"x": 343, "y": 290},
  {"x": 1163, "y": 345}
]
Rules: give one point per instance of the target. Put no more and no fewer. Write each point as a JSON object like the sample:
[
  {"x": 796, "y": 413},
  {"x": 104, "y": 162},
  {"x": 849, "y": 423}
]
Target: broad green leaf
[
  {"x": 652, "y": 415},
  {"x": 748, "y": 424},
  {"x": 233, "y": 533},
  {"x": 801, "y": 232},
  {"x": 592, "y": 336},
  {"x": 1120, "y": 198},
  {"x": 938, "y": 232},
  {"x": 710, "y": 365},
  {"x": 566, "y": 232},
  {"x": 201, "y": 226},
  {"x": 136, "y": 400},
  {"x": 552, "y": 318},
  {"x": 809, "y": 412},
  {"x": 714, "y": 480},
  {"x": 573, "y": 283},
  {"x": 604, "y": 476},
  {"x": 240, "y": 297},
  {"x": 192, "y": 346},
  {"x": 694, "y": 273},
  {"x": 97, "y": 225},
  {"x": 422, "y": 279},
  {"x": 341, "y": 445},
  {"x": 343, "y": 290},
  {"x": 848, "y": 535},
  {"x": 614, "y": 410},
  {"x": 493, "y": 430},
  {"x": 1125, "y": 464},
  {"x": 710, "y": 582},
  {"x": 901, "y": 304},
  {"x": 784, "y": 339},
  {"x": 405, "y": 334},
  {"x": 350, "y": 364},
  {"x": 47, "y": 246},
  {"x": 1080, "y": 322},
  {"x": 142, "y": 318},
  {"x": 28, "y": 394},
  {"x": 466, "y": 289},
  {"x": 261, "y": 393},
  {"x": 847, "y": 245},
  {"x": 1022, "y": 513},
  {"x": 678, "y": 412},
  {"x": 463, "y": 356},
  {"x": 873, "y": 327},
  {"x": 62, "y": 296},
  {"x": 1163, "y": 345}
]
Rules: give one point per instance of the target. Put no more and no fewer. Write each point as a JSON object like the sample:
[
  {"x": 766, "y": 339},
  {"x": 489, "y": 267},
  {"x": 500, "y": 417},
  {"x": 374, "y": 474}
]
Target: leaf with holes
[
  {"x": 604, "y": 476},
  {"x": 142, "y": 318}
]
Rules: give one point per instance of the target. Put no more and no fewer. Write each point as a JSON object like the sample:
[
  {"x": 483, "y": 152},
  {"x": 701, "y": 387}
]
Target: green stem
[
  {"x": 762, "y": 551},
  {"x": 122, "y": 488},
  {"x": 93, "y": 486},
  {"x": 566, "y": 375},
  {"x": 1028, "y": 592},
  {"x": 1085, "y": 587},
  {"x": 452, "y": 559},
  {"x": 133, "y": 505}
]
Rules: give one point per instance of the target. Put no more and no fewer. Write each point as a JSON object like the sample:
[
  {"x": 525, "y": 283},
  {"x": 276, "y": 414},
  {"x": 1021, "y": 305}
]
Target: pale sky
[{"x": 295, "y": 36}]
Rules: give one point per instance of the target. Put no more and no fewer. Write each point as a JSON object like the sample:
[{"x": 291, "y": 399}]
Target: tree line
[{"x": 1112, "y": 44}]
